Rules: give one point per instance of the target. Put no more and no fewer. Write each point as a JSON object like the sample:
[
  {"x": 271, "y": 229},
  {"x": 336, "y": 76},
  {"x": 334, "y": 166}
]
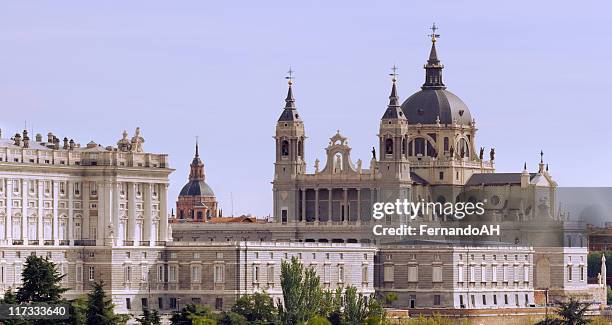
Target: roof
[
  {"x": 428, "y": 105},
  {"x": 243, "y": 219},
  {"x": 416, "y": 179},
  {"x": 496, "y": 179},
  {"x": 196, "y": 188}
]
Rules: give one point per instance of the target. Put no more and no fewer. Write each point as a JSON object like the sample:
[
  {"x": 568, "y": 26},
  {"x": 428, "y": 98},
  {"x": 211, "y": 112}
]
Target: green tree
[
  {"x": 100, "y": 308},
  {"x": 355, "y": 308},
  {"x": 193, "y": 314},
  {"x": 41, "y": 282},
  {"x": 302, "y": 292},
  {"x": 11, "y": 298},
  {"x": 232, "y": 318},
  {"x": 78, "y": 308},
  {"x": 571, "y": 312},
  {"x": 149, "y": 317},
  {"x": 318, "y": 320},
  {"x": 257, "y": 308},
  {"x": 390, "y": 298}
]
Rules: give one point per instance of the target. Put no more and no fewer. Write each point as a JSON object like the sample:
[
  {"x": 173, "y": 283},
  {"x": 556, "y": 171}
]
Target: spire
[
  {"x": 289, "y": 112},
  {"x": 197, "y": 152},
  {"x": 394, "y": 110},
  {"x": 433, "y": 68},
  {"x": 541, "y": 165}
]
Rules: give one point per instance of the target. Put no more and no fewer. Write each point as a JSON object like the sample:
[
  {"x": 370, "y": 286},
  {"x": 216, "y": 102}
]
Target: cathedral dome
[
  {"x": 196, "y": 188},
  {"x": 434, "y": 104},
  {"x": 429, "y": 105}
]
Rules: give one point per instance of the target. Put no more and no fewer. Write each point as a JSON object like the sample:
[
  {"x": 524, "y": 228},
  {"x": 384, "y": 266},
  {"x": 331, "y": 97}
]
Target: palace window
[
  {"x": 389, "y": 146},
  {"x": 285, "y": 148}
]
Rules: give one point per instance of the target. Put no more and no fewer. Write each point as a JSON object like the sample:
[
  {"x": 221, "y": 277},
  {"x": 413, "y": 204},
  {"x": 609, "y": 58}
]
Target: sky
[{"x": 535, "y": 75}]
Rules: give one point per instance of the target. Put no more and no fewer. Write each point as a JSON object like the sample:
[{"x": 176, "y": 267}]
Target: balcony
[
  {"x": 17, "y": 242},
  {"x": 49, "y": 242},
  {"x": 64, "y": 242},
  {"x": 160, "y": 243},
  {"x": 32, "y": 242},
  {"x": 85, "y": 242},
  {"x": 128, "y": 243},
  {"x": 144, "y": 243}
]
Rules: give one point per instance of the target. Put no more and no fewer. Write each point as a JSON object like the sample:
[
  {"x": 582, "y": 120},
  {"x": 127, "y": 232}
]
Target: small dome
[
  {"x": 427, "y": 105},
  {"x": 196, "y": 188}
]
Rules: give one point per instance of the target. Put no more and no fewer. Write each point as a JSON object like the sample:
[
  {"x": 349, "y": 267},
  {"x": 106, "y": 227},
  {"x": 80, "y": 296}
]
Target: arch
[
  {"x": 284, "y": 148},
  {"x": 389, "y": 146},
  {"x": 463, "y": 147},
  {"x": 542, "y": 273},
  {"x": 300, "y": 148}
]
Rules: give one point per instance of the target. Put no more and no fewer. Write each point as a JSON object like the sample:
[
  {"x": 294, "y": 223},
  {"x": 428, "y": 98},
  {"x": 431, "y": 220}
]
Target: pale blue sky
[{"x": 535, "y": 75}]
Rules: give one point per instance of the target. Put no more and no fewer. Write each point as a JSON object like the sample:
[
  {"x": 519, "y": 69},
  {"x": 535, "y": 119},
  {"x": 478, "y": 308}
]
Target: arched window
[
  {"x": 389, "y": 146},
  {"x": 300, "y": 148},
  {"x": 419, "y": 146},
  {"x": 445, "y": 144},
  {"x": 464, "y": 148},
  {"x": 285, "y": 148}
]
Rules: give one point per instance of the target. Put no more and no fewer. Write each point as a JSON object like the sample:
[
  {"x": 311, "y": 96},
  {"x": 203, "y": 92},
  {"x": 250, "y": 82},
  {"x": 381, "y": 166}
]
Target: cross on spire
[
  {"x": 289, "y": 76},
  {"x": 433, "y": 34},
  {"x": 394, "y": 73}
]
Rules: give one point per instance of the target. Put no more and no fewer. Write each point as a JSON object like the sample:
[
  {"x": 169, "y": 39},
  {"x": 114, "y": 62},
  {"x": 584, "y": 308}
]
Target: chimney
[
  {"x": 65, "y": 143},
  {"x": 71, "y": 144},
  {"x": 38, "y": 137}
]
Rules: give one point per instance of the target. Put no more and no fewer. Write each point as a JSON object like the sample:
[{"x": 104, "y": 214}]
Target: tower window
[
  {"x": 300, "y": 148},
  {"x": 285, "y": 148},
  {"x": 389, "y": 146}
]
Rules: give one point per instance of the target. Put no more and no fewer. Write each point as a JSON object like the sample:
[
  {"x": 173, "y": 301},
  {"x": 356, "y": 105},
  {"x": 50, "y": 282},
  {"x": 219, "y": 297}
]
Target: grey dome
[
  {"x": 427, "y": 105},
  {"x": 196, "y": 188}
]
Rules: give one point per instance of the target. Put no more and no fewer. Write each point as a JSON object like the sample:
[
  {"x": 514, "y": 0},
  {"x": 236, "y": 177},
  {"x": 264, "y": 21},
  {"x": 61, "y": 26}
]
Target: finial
[
  {"x": 197, "y": 152},
  {"x": 394, "y": 73},
  {"x": 525, "y": 166},
  {"x": 289, "y": 76},
  {"x": 541, "y": 156},
  {"x": 433, "y": 34}
]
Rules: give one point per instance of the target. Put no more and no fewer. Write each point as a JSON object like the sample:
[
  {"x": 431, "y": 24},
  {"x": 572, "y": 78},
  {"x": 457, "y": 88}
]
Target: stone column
[
  {"x": 345, "y": 205},
  {"x": 102, "y": 187},
  {"x": 40, "y": 223},
  {"x": 24, "y": 211},
  {"x": 85, "y": 193},
  {"x": 317, "y": 205},
  {"x": 115, "y": 207},
  {"x": 55, "y": 193},
  {"x": 304, "y": 205},
  {"x": 163, "y": 213},
  {"x": 148, "y": 213},
  {"x": 329, "y": 205},
  {"x": 9, "y": 212},
  {"x": 131, "y": 225},
  {"x": 70, "y": 226},
  {"x": 358, "y": 205}
]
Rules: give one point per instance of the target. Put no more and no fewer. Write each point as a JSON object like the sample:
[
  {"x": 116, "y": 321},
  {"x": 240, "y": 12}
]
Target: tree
[
  {"x": 11, "y": 298},
  {"x": 100, "y": 307},
  {"x": 257, "y": 308},
  {"x": 571, "y": 312},
  {"x": 193, "y": 314},
  {"x": 149, "y": 317},
  {"x": 301, "y": 292},
  {"x": 390, "y": 298},
  {"x": 41, "y": 282},
  {"x": 355, "y": 307},
  {"x": 232, "y": 318}
]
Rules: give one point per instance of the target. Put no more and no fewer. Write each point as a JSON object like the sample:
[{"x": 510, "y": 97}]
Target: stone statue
[
  {"x": 599, "y": 278},
  {"x": 492, "y": 154},
  {"x": 316, "y": 165},
  {"x": 452, "y": 152},
  {"x": 359, "y": 166},
  {"x": 373, "y": 153},
  {"x": 124, "y": 144},
  {"x": 137, "y": 141},
  {"x": 481, "y": 155}
]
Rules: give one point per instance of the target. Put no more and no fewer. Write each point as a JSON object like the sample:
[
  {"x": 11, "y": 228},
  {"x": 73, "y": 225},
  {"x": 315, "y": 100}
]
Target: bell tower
[
  {"x": 393, "y": 139},
  {"x": 289, "y": 162}
]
